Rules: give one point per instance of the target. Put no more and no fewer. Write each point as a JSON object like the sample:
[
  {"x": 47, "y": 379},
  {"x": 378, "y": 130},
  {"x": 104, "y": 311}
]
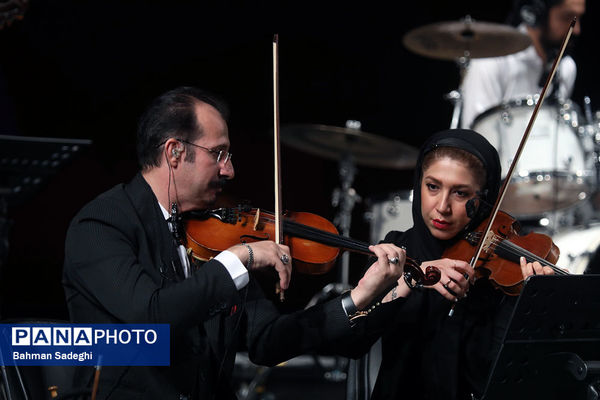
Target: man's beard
[
  {"x": 552, "y": 47},
  {"x": 219, "y": 183}
]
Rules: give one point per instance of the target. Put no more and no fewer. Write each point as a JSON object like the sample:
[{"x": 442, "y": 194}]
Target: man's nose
[
  {"x": 227, "y": 170},
  {"x": 577, "y": 27}
]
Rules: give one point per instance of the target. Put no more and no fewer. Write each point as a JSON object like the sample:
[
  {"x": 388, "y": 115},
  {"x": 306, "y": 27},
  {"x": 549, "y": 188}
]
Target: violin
[
  {"x": 314, "y": 241},
  {"x": 499, "y": 260},
  {"x": 497, "y": 239}
]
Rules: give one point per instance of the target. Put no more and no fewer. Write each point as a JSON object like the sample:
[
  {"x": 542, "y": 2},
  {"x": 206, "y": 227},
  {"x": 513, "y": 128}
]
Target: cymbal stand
[
  {"x": 345, "y": 197},
  {"x": 455, "y": 96}
]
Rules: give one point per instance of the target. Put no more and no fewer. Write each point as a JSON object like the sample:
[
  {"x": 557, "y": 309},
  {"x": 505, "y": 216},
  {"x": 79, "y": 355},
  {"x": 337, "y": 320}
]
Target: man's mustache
[{"x": 218, "y": 183}]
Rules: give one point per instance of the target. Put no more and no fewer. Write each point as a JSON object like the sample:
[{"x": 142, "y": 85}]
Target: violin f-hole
[{"x": 254, "y": 237}]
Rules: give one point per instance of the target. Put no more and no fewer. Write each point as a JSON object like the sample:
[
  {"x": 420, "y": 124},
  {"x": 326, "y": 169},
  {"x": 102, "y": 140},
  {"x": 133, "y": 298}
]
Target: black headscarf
[
  {"x": 428, "y": 355},
  {"x": 419, "y": 241}
]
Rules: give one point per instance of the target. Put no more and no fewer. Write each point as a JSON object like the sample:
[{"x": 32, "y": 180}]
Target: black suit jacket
[{"x": 120, "y": 268}]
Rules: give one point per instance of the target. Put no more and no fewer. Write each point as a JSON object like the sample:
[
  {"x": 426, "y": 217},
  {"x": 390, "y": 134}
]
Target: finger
[
  {"x": 442, "y": 288},
  {"x": 381, "y": 252},
  {"x": 285, "y": 273},
  {"x": 392, "y": 251},
  {"x": 548, "y": 271},
  {"x": 458, "y": 275},
  {"x": 448, "y": 289},
  {"x": 537, "y": 268},
  {"x": 465, "y": 269},
  {"x": 526, "y": 268}
]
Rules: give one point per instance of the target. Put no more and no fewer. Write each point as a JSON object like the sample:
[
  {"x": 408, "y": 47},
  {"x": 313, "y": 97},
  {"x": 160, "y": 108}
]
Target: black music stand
[
  {"x": 26, "y": 164},
  {"x": 551, "y": 349}
]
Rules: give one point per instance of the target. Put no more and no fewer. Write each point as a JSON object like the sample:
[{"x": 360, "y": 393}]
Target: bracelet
[
  {"x": 352, "y": 311},
  {"x": 250, "y": 256},
  {"x": 348, "y": 304}
]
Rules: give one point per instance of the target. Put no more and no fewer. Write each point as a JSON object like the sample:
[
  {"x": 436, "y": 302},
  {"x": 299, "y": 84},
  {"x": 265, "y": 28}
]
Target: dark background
[{"x": 87, "y": 69}]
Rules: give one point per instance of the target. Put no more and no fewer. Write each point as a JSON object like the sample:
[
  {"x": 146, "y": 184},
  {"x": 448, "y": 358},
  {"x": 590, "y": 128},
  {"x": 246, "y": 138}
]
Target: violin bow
[
  {"x": 276, "y": 152},
  {"x": 504, "y": 187}
]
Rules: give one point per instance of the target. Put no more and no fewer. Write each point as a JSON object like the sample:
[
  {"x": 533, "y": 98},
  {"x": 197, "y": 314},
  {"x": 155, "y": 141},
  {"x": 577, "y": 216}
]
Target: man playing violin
[
  {"x": 492, "y": 81},
  {"x": 136, "y": 270}
]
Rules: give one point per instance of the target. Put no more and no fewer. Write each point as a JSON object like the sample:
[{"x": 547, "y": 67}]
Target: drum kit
[{"x": 554, "y": 184}]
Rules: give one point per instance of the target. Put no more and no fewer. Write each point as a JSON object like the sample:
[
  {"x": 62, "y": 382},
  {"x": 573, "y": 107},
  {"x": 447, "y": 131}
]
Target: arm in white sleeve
[
  {"x": 481, "y": 89},
  {"x": 235, "y": 267}
]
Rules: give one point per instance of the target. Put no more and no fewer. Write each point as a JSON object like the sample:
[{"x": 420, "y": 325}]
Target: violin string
[
  {"x": 329, "y": 238},
  {"x": 516, "y": 250},
  {"x": 513, "y": 249},
  {"x": 335, "y": 240},
  {"x": 310, "y": 232}
]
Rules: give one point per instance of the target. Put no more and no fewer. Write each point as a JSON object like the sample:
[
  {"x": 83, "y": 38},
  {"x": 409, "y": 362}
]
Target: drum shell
[
  {"x": 553, "y": 171},
  {"x": 390, "y": 212},
  {"x": 577, "y": 247}
]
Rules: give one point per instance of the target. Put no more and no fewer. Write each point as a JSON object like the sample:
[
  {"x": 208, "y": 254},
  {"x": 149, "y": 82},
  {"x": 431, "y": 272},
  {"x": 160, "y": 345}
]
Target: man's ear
[{"x": 173, "y": 152}]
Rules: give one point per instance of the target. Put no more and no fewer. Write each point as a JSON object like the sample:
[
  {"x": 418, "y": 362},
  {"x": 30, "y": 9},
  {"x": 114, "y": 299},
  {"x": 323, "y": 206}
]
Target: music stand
[
  {"x": 551, "y": 349},
  {"x": 26, "y": 163}
]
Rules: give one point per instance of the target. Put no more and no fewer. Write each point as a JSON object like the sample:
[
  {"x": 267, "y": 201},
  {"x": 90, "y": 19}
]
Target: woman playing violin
[{"x": 427, "y": 354}]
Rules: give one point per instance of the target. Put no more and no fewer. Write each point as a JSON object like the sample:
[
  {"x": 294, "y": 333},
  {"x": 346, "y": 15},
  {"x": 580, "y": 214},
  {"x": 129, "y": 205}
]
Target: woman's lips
[{"x": 438, "y": 223}]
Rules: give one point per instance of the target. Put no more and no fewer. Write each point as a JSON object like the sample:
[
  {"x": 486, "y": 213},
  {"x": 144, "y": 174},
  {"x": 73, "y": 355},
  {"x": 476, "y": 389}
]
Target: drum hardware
[
  {"x": 553, "y": 173},
  {"x": 467, "y": 38},
  {"x": 577, "y": 245},
  {"x": 392, "y": 212},
  {"x": 345, "y": 197},
  {"x": 350, "y": 147},
  {"x": 590, "y": 136},
  {"x": 455, "y": 97},
  {"x": 335, "y": 143},
  {"x": 462, "y": 41}
]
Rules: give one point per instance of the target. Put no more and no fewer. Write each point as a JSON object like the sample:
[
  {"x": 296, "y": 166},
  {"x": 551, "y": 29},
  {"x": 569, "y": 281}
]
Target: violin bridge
[{"x": 488, "y": 241}]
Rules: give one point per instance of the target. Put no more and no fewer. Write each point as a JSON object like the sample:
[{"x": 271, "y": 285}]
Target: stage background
[{"x": 86, "y": 70}]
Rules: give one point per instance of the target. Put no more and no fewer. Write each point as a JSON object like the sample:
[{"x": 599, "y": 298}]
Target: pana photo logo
[{"x": 75, "y": 344}]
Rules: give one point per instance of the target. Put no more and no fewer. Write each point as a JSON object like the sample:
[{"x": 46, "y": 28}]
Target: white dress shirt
[{"x": 492, "y": 81}]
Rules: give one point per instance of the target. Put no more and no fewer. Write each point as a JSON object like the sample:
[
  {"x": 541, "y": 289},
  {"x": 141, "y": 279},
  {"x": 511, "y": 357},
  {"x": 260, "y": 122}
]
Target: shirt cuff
[{"x": 234, "y": 266}]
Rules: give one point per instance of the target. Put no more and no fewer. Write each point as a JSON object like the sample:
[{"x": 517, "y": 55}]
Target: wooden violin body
[
  {"x": 220, "y": 229},
  {"x": 314, "y": 241},
  {"x": 501, "y": 252}
]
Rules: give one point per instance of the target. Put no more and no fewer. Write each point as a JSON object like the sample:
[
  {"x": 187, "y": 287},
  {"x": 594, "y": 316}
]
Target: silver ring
[
  {"x": 393, "y": 260},
  {"x": 284, "y": 259}
]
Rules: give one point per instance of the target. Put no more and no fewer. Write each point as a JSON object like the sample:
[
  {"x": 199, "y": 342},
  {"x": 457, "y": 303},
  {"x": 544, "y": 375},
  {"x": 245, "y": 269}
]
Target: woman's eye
[{"x": 431, "y": 186}]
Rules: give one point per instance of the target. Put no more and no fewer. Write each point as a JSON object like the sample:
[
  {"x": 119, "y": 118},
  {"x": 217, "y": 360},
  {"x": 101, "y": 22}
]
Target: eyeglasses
[{"x": 222, "y": 155}]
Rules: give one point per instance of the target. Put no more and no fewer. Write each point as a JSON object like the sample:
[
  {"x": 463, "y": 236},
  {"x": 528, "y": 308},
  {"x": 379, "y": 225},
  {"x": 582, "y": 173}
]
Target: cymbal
[
  {"x": 365, "y": 148},
  {"x": 466, "y": 38}
]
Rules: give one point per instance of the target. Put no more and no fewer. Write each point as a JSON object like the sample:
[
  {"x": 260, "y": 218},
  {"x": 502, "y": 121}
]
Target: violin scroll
[{"x": 415, "y": 277}]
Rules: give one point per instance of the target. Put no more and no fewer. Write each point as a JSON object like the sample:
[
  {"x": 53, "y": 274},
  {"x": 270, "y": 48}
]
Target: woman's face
[{"x": 446, "y": 187}]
